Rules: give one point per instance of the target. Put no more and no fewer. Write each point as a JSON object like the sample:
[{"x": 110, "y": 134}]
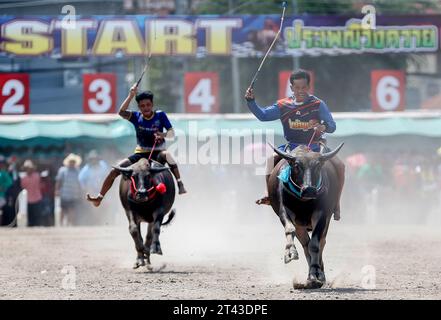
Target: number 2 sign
[
  {"x": 201, "y": 92},
  {"x": 14, "y": 93},
  {"x": 99, "y": 93},
  {"x": 387, "y": 90}
]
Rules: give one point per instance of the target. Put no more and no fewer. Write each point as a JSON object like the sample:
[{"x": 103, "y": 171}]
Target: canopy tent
[
  {"x": 49, "y": 133},
  {"x": 26, "y": 127}
]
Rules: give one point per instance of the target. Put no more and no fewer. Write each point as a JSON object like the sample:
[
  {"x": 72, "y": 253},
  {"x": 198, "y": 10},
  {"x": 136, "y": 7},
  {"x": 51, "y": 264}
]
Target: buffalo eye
[{"x": 297, "y": 167}]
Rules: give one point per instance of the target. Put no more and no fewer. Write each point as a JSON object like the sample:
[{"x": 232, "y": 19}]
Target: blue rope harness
[{"x": 285, "y": 177}]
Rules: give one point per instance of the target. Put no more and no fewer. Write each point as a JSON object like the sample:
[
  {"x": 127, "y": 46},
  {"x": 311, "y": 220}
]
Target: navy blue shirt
[
  {"x": 297, "y": 120},
  {"x": 146, "y": 128}
]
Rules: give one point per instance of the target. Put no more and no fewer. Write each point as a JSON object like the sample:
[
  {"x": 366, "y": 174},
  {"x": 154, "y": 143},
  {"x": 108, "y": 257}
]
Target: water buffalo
[
  {"x": 303, "y": 192},
  {"x": 147, "y": 193}
]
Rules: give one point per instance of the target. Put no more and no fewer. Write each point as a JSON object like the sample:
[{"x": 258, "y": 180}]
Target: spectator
[
  {"x": 91, "y": 176},
  {"x": 9, "y": 210},
  {"x": 93, "y": 173},
  {"x": 67, "y": 187},
  {"x": 32, "y": 183},
  {"x": 5, "y": 184},
  {"x": 47, "y": 191}
]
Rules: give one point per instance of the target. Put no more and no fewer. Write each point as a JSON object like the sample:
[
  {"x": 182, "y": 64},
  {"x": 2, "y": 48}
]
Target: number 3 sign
[
  {"x": 14, "y": 93},
  {"x": 201, "y": 92},
  {"x": 388, "y": 90},
  {"x": 99, "y": 93}
]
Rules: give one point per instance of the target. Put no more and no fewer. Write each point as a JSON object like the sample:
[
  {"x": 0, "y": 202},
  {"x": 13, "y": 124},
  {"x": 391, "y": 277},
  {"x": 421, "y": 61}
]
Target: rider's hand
[
  {"x": 249, "y": 95},
  {"x": 133, "y": 91},
  {"x": 320, "y": 128},
  {"x": 159, "y": 137}
]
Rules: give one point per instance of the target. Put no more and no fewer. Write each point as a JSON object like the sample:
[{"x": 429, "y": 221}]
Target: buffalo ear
[
  {"x": 126, "y": 172},
  {"x": 158, "y": 169}
]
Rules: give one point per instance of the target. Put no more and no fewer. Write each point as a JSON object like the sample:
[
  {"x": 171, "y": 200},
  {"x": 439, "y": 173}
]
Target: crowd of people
[
  {"x": 393, "y": 187},
  {"x": 389, "y": 187},
  {"x": 49, "y": 189}
]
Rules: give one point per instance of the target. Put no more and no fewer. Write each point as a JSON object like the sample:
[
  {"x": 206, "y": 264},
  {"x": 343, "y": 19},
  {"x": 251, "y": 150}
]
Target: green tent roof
[{"x": 21, "y": 128}]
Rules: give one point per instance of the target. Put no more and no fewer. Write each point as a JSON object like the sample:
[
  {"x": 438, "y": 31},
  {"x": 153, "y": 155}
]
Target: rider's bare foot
[
  {"x": 181, "y": 188},
  {"x": 264, "y": 200},
  {"x": 96, "y": 201},
  {"x": 337, "y": 213}
]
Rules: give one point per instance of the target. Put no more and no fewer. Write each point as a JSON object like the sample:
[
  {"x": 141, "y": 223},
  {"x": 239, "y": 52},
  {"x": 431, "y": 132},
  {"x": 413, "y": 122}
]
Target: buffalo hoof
[
  {"x": 139, "y": 263},
  {"x": 156, "y": 249},
  {"x": 321, "y": 276},
  {"x": 315, "y": 279},
  {"x": 314, "y": 284},
  {"x": 291, "y": 254}
]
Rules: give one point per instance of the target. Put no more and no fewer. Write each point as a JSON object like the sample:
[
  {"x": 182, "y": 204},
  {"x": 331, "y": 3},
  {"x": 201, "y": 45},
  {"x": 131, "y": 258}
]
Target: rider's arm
[
  {"x": 326, "y": 117},
  {"x": 170, "y": 133},
  {"x": 123, "y": 112},
  {"x": 264, "y": 114}
]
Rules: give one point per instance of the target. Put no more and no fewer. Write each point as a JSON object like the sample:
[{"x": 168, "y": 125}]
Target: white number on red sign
[
  {"x": 103, "y": 100},
  {"x": 201, "y": 95},
  {"x": 388, "y": 93},
  {"x": 10, "y": 105}
]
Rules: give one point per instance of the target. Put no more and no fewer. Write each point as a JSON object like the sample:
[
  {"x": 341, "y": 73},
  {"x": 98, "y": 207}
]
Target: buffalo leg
[
  {"x": 303, "y": 236},
  {"x": 290, "y": 231},
  {"x": 316, "y": 276},
  {"x": 148, "y": 242},
  {"x": 135, "y": 232},
  {"x": 322, "y": 247},
  {"x": 155, "y": 247}
]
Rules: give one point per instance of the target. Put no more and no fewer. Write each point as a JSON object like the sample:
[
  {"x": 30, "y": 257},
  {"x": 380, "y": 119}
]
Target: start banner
[{"x": 200, "y": 36}]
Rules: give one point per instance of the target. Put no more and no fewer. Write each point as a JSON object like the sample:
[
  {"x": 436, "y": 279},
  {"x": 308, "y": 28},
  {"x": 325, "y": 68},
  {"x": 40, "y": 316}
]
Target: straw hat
[
  {"x": 72, "y": 157},
  {"x": 28, "y": 164}
]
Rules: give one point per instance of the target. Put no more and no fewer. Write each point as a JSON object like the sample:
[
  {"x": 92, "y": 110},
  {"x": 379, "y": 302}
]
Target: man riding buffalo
[
  {"x": 149, "y": 125},
  {"x": 304, "y": 118}
]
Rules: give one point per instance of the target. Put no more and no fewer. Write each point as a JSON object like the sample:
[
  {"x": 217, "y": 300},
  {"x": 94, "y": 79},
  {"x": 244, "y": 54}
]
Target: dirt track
[{"x": 218, "y": 262}]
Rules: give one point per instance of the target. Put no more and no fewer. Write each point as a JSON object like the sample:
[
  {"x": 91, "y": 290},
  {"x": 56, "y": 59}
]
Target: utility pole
[
  {"x": 235, "y": 79},
  {"x": 295, "y": 61},
  {"x": 181, "y": 7}
]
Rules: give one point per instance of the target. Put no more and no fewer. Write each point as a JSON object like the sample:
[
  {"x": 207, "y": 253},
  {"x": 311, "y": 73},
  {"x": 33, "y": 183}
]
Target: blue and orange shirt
[
  {"x": 298, "y": 119},
  {"x": 146, "y": 129}
]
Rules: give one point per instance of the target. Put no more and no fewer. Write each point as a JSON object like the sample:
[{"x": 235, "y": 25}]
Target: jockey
[
  {"x": 304, "y": 118},
  {"x": 149, "y": 125}
]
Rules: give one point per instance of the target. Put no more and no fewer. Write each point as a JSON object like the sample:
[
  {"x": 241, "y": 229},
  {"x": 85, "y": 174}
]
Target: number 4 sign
[
  {"x": 387, "y": 90},
  {"x": 14, "y": 93},
  {"x": 201, "y": 92},
  {"x": 99, "y": 93}
]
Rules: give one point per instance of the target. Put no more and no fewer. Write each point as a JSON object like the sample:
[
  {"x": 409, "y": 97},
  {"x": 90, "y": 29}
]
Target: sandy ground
[{"x": 218, "y": 260}]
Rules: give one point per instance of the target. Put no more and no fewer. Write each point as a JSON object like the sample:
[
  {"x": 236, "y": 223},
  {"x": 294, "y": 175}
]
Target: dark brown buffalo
[
  {"x": 304, "y": 203},
  {"x": 147, "y": 193}
]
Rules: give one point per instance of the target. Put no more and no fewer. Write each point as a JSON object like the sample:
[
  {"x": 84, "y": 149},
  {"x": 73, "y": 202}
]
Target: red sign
[
  {"x": 99, "y": 93},
  {"x": 14, "y": 93},
  {"x": 201, "y": 92},
  {"x": 388, "y": 90},
  {"x": 284, "y": 84}
]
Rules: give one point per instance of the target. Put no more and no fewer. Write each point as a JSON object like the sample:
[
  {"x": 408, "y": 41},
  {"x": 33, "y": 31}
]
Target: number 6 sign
[
  {"x": 99, "y": 93},
  {"x": 14, "y": 93},
  {"x": 387, "y": 90},
  {"x": 201, "y": 92}
]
